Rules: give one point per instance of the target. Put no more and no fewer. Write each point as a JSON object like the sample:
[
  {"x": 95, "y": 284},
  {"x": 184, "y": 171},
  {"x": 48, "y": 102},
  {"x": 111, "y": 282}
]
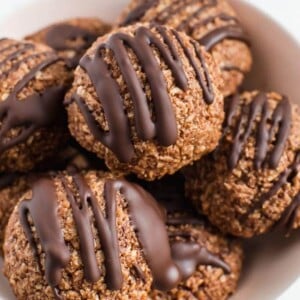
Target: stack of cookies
[{"x": 131, "y": 160}]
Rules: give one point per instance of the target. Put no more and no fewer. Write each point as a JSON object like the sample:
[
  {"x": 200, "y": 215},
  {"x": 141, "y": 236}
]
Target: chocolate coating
[
  {"x": 212, "y": 23},
  {"x": 250, "y": 183},
  {"x": 151, "y": 71}
]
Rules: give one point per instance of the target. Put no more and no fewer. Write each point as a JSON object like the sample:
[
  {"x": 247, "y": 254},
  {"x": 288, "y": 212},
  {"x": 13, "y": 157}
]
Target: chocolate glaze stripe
[
  {"x": 42, "y": 209},
  {"x": 284, "y": 178},
  {"x": 280, "y": 124},
  {"x": 118, "y": 139},
  {"x": 58, "y": 36},
  {"x": 33, "y": 112},
  {"x": 221, "y": 33},
  {"x": 204, "y": 80},
  {"x": 175, "y": 8},
  {"x": 289, "y": 216}
]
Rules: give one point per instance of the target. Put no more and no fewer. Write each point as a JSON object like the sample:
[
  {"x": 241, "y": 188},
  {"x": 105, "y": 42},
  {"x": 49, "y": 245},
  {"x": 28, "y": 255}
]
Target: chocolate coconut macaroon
[
  {"x": 213, "y": 23},
  {"x": 250, "y": 184},
  {"x": 146, "y": 99},
  {"x": 101, "y": 243}
]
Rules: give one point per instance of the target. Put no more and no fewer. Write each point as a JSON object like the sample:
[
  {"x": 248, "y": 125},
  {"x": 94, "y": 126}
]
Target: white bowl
[{"x": 272, "y": 266}]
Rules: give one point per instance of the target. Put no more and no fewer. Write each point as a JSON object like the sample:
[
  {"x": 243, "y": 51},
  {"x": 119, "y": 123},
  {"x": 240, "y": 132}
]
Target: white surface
[{"x": 272, "y": 266}]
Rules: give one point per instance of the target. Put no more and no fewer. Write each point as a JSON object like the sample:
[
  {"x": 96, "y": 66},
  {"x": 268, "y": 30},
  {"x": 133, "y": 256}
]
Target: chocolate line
[
  {"x": 118, "y": 139},
  {"x": 205, "y": 83},
  {"x": 33, "y": 112},
  {"x": 60, "y": 37},
  {"x": 283, "y": 179},
  {"x": 288, "y": 218},
  {"x": 42, "y": 209},
  {"x": 138, "y": 13},
  {"x": 272, "y": 129},
  {"x": 220, "y": 34}
]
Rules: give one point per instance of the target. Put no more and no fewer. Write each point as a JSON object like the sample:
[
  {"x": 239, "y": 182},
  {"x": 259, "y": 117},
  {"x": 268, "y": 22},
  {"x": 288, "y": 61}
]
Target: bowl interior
[{"x": 272, "y": 263}]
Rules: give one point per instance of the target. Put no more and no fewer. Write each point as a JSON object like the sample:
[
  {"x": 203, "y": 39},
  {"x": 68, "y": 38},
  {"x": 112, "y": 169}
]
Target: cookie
[
  {"x": 71, "y": 38},
  {"x": 250, "y": 184},
  {"x": 112, "y": 257},
  {"x": 213, "y": 23},
  {"x": 32, "y": 88},
  {"x": 146, "y": 99}
]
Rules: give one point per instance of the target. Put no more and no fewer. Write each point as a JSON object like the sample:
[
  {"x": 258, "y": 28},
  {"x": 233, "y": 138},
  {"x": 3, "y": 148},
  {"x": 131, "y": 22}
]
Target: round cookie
[
  {"x": 71, "y": 38},
  {"x": 112, "y": 257},
  {"x": 213, "y": 23},
  {"x": 12, "y": 187},
  {"x": 146, "y": 99},
  {"x": 250, "y": 184},
  {"x": 32, "y": 118}
]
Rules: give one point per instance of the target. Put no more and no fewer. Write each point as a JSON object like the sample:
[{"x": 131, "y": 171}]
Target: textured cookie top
[
  {"x": 175, "y": 262},
  {"x": 250, "y": 184},
  {"x": 71, "y": 38},
  {"x": 208, "y": 21},
  {"x": 144, "y": 56},
  {"x": 32, "y": 88},
  {"x": 268, "y": 120}
]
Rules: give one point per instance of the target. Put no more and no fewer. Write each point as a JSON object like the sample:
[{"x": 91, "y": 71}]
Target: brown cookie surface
[
  {"x": 71, "y": 38},
  {"x": 32, "y": 87},
  {"x": 213, "y": 23},
  {"x": 146, "y": 99},
  {"x": 250, "y": 184}
]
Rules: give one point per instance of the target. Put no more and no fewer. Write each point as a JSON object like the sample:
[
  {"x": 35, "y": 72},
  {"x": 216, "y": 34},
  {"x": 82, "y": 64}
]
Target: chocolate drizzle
[
  {"x": 37, "y": 110},
  {"x": 231, "y": 30},
  {"x": 285, "y": 177},
  {"x": 169, "y": 264},
  {"x": 42, "y": 210},
  {"x": 164, "y": 128},
  {"x": 64, "y": 37},
  {"x": 188, "y": 254},
  {"x": 272, "y": 129}
]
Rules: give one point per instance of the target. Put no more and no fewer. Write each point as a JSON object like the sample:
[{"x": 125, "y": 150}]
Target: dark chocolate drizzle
[
  {"x": 272, "y": 129},
  {"x": 42, "y": 209},
  {"x": 37, "y": 110},
  {"x": 232, "y": 30},
  {"x": 63, "y": 37},
  {"x": 164, "y": 128},
  {"x": 285, "y": 177},
  {"x": 169, "y": 264},
  {"x": 288, "y": 218}
]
